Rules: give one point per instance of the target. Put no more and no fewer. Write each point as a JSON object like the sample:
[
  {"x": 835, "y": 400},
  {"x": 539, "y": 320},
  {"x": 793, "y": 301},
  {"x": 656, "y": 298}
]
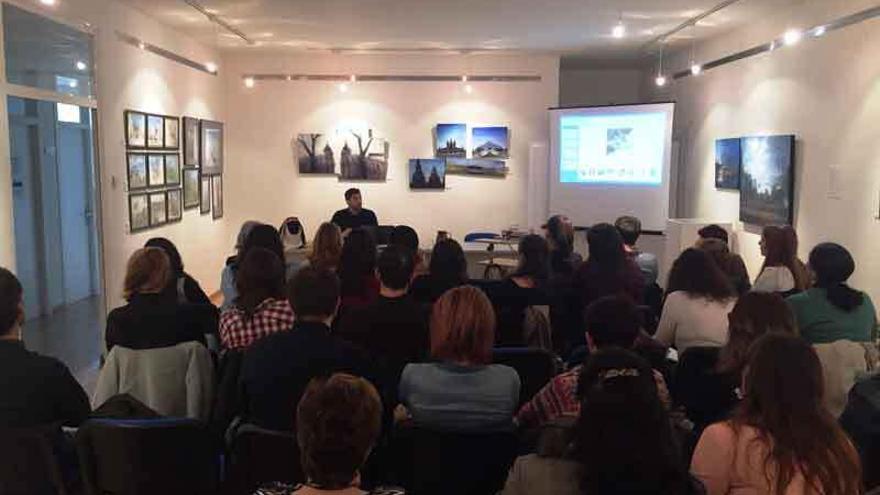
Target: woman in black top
[
  {"x": 447, "y": 270},
  {"x": 185, "y": 288}
]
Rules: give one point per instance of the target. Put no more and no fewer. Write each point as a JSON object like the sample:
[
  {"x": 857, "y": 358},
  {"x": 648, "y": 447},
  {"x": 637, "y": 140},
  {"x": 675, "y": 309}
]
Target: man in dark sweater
[
  {"x": 34, "y": 390},
  {"x": 355, "y": 215}
]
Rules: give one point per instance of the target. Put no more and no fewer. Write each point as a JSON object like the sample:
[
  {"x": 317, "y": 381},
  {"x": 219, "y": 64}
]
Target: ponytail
[{"x": 845, "y": 297}]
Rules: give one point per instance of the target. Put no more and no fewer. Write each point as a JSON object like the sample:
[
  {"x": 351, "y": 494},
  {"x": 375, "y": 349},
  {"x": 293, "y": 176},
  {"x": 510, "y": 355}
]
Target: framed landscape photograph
[
  {"x": 190, "y": 188},
  {"x": 450, "y": 140},
  {"x": 172, "y": 132},
  {"x": 728, "y": 160},
  {"x": 767, "y": 183},
  {"x": 217, "y": 196},
  {"x": 155, "y": 131},
  {"x": 175, "y": 206},
  {"x": 138, "y": 212},
  {"x": 137, "y": 171},
  {"x": 190, "y": 142},
  {"x": 172, "y": 170},
  {"x": 205, "y": 195},
  {"x": 427, "y": 173},
  {"x": 155, "y": 170},
  {"x": 490, "y": 142},
  {"x": 211, "y": 147},
  {"x": 158, "y": 208},
  {"x": 135, "y": 129}
]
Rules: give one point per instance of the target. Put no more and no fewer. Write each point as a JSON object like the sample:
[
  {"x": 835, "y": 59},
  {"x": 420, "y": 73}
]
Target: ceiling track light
[
  {"x": 48, "y": 3},
  {"x": 249, "y": 82},
  {"x": 342, "y": 87},
  {"x": 660, "y": 80},
  {"x": 792, "y": 37},
  {"x": 211, "y": 67},
  {"x": 81, "y": 66},
  {"x": 619, "y": 30}
]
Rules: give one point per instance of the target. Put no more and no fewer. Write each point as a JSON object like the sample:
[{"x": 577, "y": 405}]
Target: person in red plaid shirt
[
  {"x": 612, "y": 321},
  {"x": 260, "y": 308}
]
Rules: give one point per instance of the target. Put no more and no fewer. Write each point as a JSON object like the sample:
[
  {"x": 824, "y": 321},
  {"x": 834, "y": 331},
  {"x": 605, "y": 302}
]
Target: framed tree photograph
[
  {"x": 211, "y": 147},
  {"x": 155, "y": 131},
  {"x": 137, "y": 171},
  {"x": 205, "y": 193},
  {"x": 190, "y": 188},
  {"x": 172, "y": 132},
  {"x": 138, "y": 212},
  {"x": 217, "y": 196},
  {"x": 158, "y": 208},
  {"x": 155, "y": 170},
  {"x": 175, "y": 206},
  {"x": 172, "y": 170},
  {"x": 135, "y": 129},
  {"x": 190, "y": 142}
]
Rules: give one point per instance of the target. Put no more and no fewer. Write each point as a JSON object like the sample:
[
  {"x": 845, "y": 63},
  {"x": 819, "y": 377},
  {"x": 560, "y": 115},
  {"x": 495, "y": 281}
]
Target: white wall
[
  {"x": 827, "y": 92},
  {"x": 264, "y": 120},
  {"x": 593, "y": 87}
]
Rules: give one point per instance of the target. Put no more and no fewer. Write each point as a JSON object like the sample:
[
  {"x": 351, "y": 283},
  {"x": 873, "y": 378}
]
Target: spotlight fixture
[
  {"x": 142, "y": 45},
  {"x": 464, "y": 79},
  {"x": 660, "y": 80},
  {"x": 696, "y": 69},
  {"x": 48, "y": 3},
  {"x": 468, "y": 89},
  {"x": 619, "y": 30},
  {"x": 211, "y": 67},
  {"x": 81, "y": 66},
  {"x": 792, "y": 37},
  {"x": 820, "y": 31},
  {"x": 343, "y": 88},
  {"x": 249, "y": 82}
]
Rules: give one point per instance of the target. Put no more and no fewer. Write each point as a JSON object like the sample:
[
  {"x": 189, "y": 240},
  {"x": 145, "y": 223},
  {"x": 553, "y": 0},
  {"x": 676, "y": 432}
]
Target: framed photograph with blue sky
[
  {"x": 450, "y": 141},
  {"x": 427, "y": 173},
  {"x": 728, "y": 161},
  {"x": 490, "y": 142},
  {"x": 767, "y": 183}
]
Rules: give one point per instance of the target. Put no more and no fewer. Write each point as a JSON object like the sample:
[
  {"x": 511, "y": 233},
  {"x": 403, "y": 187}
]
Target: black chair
[
  {"x": 28, "y": 462},
  {"x": 170, "y": 456},
  {"x": 535, "y": 367},
  {"x": 705, "y": 394},
  {"x": 227, "y": 403},
  {"x": 861, "y": 420},
  {"x": 258, "y": 456}
]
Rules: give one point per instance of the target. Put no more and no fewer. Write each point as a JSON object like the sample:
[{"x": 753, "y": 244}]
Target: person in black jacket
[
  {"x": 35, "y": 390},
  {"x": 185, "y": 288},
  {"x": 153, "y": 318}
]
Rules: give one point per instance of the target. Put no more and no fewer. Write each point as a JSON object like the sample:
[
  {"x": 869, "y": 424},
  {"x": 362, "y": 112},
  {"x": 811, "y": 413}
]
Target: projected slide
[{"x": 615, "y": 148}]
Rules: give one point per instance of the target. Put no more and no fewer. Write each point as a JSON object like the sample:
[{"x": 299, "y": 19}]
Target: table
[{"x": 504, "y": 263}]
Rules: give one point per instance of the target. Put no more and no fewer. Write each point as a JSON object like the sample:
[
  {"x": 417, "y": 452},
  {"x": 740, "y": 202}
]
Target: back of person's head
[
  {"x": 405, "y": 236},
  {"x": 714, "y": 232},
  {"x": 243, "y": 232},
  {"x": 754, "y": 315},
  {"x": 327, "y": 246},
  {"x": 358, "y": 260},
  {"x": 313, "y": 293},
  {"x": 605, "y": 247},
  {"x": 338, "y": 421},
  {"x": 534, "y": 258},
  {"x": 623, "y": 438},
  {"x": 833, "y": 265},
  {"x": 630, "y": 229},
  {"x": 784, "y": 391},
  {"x": 463, "y": 327},
  {"x": 148, "y": 272},
  {"x": 395, "y": 267},
  {"x": 172, "y": 252},
  {"x": 11, "y": 294},
  {"x": 260, "y": 276},
  {"x": 697, "y": 274},
  {"x": 613, "y": 321},
  {"x": 560, "y": 233},
  {"x": 448, "y": 262},
  {"x": 780, "y": 249},
  {"x": 266, "y": 237}
]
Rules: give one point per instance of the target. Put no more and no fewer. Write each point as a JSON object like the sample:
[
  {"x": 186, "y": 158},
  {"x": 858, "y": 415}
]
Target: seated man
[
  {"x": 630, "y": 229},
  {"x": 277, "y": 368},
  {"x": 355, "y": 215},
  {"x": 34, "y": 390},
  {"x": 612, "y": 321}
]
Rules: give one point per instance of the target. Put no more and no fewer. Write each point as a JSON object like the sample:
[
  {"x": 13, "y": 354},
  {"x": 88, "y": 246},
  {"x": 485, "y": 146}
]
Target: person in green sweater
[{"x": 832, "y": 310}]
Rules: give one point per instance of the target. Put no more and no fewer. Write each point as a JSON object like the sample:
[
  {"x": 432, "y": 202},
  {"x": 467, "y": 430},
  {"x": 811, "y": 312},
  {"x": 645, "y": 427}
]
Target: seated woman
[
  {"x": 608, "y": 270},
  {"x": 182, "y": 285},
  {"x": 832, "y": 310},
  {"x": 447, "y": 270},
  {"x": 261, "y": 307},
  {"x": 326, "y": 248},
  {"x": 153, "y": 318},
  {"x": 560, "y": 238},
  {"x": 622, "y": 442},
  {"x": 696, "y": 309},
  {"x": 227, "y": 275},
  {"x": 357, "y": 271},
  {"x": 733, "y": 266},
  {"x": 781, "y": 439},
  {"x": 260, "y": 236},
  {"x": 338, "y": 421},
  {"x": 782, "y": 272},
  {"x": 461, "y": 391}
]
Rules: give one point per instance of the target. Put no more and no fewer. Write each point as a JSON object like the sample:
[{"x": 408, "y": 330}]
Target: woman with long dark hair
[
  {"x": 832, "y": 310},
  {"x": 608, "y": 271},
  {"x": 184, "y": 288},
  {"x": 446, "y": 270},
  {"x": 781, "y": 439},
  {"x": 782, "y": 271},
  {"x": 560, "y": 239},
  {"x": 695, "y": 312},
  {"x": 357, "y": 270}
]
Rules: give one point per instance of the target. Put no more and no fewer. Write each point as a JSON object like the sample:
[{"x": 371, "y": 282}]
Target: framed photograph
[
  {"x": 205, "y": 193},
  {"x": 492, "y": 143},
  {"x": 217, "y": 196},
  {"x": 314, "y": 154},
  {"x": 172, "y": 132},
  {"x": 190, "y": 188},
  {"x": 137, "y": 171},
  {"x": 155, "y": 131},
  {"x": 427, "y": 173},
  {"x": 767, "y": 183},
  {"x": 135, "y": 129},
  {"x": 175, "y": 206},
  {"x": 211, "y": 147},
  {"x": 190, "y": 142},
  {"x": 728, "y": 160},
  {"x": 155, "y": 170},
  {"x": 138, "y": 212},
  {"x": 172, "y": 170},
  {"x": 158, "y": 208},
  {"x": 450, "y": 140}
]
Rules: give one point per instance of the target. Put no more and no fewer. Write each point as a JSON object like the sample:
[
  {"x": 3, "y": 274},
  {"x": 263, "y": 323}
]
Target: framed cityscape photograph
[
  {"x": 155, "y": 131},
  {"x": 172, "y": 133},
  {"x": 158, "y": 208},
  {"x": 217, "y": 196},
  {"x": 205, "y": 195},
  {"x": 135, "y": 129},
  {"x": 211, "y": 147},
  {"x": 138, "y": 212},
  {"x": 172, "y": 170},
  {"x": 155, "y": 170},
  {"x": 190, "y": 188},
  {"x": 190, "y": 142},
  {"x": 175, "y": 206},
  {"x": 137, "y": 171}
]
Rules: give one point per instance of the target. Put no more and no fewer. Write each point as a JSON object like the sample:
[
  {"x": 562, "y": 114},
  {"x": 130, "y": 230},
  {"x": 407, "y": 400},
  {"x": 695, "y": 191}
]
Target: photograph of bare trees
[
  {"x": 314, "y": 154},
  {"x": 363, "y": 157}
]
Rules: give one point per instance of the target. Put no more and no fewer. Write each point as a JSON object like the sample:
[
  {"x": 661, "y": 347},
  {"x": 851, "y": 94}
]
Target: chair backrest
[
  {"x": 146, "y": 457},
  {"x": 28, "y": 464},
  {"x": 861, "y": 420},
  {"x": 535, "y": 367},
  {"x": 258, "y": 456}
]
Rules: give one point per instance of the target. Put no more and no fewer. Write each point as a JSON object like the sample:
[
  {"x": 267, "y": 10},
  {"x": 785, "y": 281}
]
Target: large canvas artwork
[
  {"x": 212, "y": 148},
  {"x": 767, "y": 184},
  {"x": 488, "y": 168},
  {"x": 490, "y": 142},
  {"x": 363, "y": 157},
  {"x": 427, "y": 173},
  {"x": 314, "y": 155},
  {"x": 450, "y": 140},
  {"x": 728, "y": 160}
]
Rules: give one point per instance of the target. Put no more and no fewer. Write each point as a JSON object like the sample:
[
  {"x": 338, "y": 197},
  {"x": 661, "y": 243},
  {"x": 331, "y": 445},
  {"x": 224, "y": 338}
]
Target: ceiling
[{"x": 580, "y": 28}]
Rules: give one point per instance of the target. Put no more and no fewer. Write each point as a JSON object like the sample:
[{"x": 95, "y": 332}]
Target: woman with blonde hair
[{"x": 327, "y": 247}]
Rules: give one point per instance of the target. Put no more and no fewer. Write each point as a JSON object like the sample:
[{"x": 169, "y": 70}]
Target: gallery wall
[
  {"x": 264, "y": 120},
  {"x": 599, "y": 86},
  {"x": 826, "y": 92}
]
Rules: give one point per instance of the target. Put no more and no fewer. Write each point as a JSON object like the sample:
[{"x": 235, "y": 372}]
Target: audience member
[
  {"x": 713, "y": 232},
  {"x": 612, "y": 321},
  {"x": 781, "y": 439},
  {"x": 407, "y": 237},
  {"x": 182, "y": 285},
  {"x": 462, "y": 390},
  {"x": 227, "y": 276},
  {"x": 260, "y": 236},
  {"x": 791, "y": 238},
  {"x": 326, "y": 248},
  {"x": 622, "y": 441},
  {"x": 608, "y": 270},
  {"x": 447, "y": 270},
  {"x": 35, "y": 390},
  {"x": 781, "y": 271},
  {"x": 153, "y": 318},
  {"x": 338, "y": 424},
  {"x": 630, "y": 229},
  {"x": 560, "y": 238},
  {"x": 277, "y": 368},
  {"x": 732, "y": 265},
  {"x": 260, "y": 309},
  {"x": 357, "y": 270},
  {"x": 354, "y": 216},
  {"x": 696, "y": 309},
  {"x": 832, "y": 310}
]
